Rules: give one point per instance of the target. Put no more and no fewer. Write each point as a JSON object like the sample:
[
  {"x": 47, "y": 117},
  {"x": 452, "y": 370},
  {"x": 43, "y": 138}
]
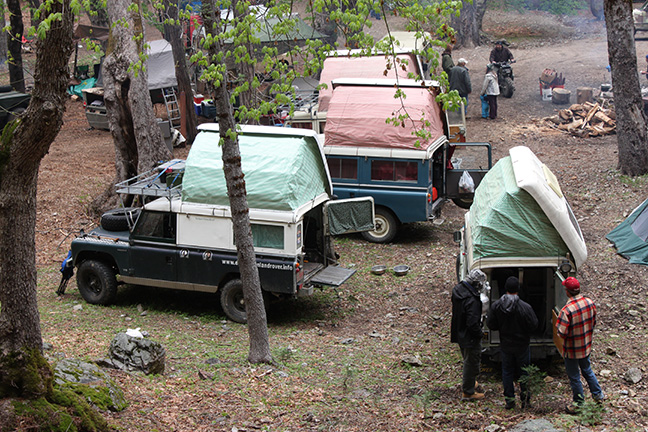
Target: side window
[
  {"x": 267, "y": 236},
  {"x": 156, "y": 226},
  {"x": 399, "y": 171},
  {"x": 343, "y": 168}
]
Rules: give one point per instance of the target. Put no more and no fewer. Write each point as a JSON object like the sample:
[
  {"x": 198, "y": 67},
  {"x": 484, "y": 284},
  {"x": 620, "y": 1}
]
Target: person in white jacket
[{"x": 491, "y": 90}]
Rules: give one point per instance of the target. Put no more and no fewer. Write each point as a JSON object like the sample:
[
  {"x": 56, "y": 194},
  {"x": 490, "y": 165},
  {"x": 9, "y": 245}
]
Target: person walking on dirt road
[
  {"x": 466, "y": 329},
  {"x": 575, "y": 325},
  {"x": 460, "y": 80}
]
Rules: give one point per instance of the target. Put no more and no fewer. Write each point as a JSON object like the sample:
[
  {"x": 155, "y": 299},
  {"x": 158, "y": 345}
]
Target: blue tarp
[{"x": 85, "y": 84}]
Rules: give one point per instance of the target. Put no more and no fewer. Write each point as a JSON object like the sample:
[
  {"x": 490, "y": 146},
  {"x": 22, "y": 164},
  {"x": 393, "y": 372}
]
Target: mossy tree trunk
[
  {"x": 632, "y": 136},
  {"x": 256, "y": 315},
  {"x": 23, "y": 370}
]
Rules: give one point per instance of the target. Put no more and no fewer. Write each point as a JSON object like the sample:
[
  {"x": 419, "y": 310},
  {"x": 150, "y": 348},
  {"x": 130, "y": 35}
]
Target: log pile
[{"x": 584, "y": 120}]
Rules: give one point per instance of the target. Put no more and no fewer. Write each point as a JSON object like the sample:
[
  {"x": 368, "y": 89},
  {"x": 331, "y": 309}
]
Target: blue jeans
[
  {"x": 484, "y": 106},
  {"x": 512, "y": 365},
  {"x": 576, "y": 367}
]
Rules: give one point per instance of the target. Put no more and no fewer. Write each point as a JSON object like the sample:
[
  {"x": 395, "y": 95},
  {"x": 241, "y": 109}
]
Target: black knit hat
[{"x": 512, "y": 285}]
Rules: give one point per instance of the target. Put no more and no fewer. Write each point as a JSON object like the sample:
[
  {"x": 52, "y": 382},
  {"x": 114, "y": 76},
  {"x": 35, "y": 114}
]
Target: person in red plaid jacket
[{"x": 576, "y": 324}]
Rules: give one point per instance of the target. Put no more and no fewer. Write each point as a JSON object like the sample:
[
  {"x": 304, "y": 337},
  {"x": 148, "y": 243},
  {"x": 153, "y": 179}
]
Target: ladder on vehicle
[{"x": 172, "y": 105}]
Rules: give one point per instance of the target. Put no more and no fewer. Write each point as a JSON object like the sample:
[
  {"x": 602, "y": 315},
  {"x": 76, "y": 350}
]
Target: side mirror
[{"x": 456, "y": 236}]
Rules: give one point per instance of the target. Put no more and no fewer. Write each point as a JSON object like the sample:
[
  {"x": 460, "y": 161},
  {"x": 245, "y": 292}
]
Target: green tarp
[
  {"x": 505, "y": 221},
  {"x": 629, "y": 237},
  {"x": 282, "y": 172}
]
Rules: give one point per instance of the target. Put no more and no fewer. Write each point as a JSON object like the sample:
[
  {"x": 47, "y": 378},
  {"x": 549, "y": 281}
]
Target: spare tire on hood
[{"x": 120, "y": 219}]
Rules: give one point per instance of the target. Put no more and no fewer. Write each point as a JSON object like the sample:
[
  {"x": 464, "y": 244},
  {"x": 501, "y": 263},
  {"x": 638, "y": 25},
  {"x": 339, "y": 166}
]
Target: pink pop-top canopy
[
  {"x": 362, "y": 67},
  {"x": 356, "y": 117}
]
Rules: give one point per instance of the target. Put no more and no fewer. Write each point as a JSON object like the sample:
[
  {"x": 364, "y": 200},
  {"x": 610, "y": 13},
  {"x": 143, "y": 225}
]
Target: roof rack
[{"x": 162, "y": 181}]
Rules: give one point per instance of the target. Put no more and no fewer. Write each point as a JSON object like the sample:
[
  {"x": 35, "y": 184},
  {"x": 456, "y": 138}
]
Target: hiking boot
[
  {"x": 599, "y": 399},
  {"x": 572, "y": 408},
  {"x": 509, "y": 405},
  {"x": 472, "y": 397}
]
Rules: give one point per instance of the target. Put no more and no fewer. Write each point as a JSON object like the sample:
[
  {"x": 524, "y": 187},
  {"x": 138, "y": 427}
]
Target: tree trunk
[
  {"x": 3, "y": 38},
  {"x": 256, "y": 315},
  {"x": 24, "y": 372},
  {"x": 469, "y": 22},
  {"x": 631, "y": 124},
  {"x": 174, "y": 34},
  {"x": 100, "y": 18},
  {"x": 139, "y": 145},
  {"x": 33, "y": 7},
  {"x": 14, "y": 45}
]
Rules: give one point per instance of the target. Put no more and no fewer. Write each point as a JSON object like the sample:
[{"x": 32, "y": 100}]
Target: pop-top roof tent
[
  {"x": 630, "y": 237},
  {"x": 519, "y": 210},
  {"x": 359, "y": 108},
  {"x": 370, "y": 67},
  {"x": 284, "y": 168},
  {"x": 160, "y": 65}
]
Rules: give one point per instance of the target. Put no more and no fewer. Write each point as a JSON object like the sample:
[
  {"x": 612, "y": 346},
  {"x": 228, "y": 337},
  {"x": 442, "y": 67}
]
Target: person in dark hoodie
[
  {"x": 515, "y": 320},
  {"x": 466, "y": 329}
]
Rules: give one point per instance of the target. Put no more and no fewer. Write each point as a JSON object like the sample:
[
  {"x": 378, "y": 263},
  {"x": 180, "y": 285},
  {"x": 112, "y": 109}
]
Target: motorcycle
[{"x": 505, "y": 78}]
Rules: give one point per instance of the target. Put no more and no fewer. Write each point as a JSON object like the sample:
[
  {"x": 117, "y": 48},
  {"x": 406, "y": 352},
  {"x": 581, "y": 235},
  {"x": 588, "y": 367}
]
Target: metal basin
[
  {"x": 378, "y": 269},
  {"x": 401, "y": 270}
]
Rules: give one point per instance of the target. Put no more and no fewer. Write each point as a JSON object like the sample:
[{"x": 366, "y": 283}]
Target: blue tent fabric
[{"x": 629, "y": 237}]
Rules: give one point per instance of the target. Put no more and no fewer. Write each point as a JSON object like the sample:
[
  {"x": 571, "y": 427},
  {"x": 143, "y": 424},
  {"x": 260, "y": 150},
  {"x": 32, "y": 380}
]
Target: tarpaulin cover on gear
[
  {"x": 356, "y": 117},
  {"x": 506, "y": 221},
  {"x": 282, "y": 172},
  {"x": 630, "y": 236},
  {"x": 363, "y": 67}
]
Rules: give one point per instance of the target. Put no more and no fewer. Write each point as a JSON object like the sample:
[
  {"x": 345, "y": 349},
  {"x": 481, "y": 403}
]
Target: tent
[
  {"x": 357, "y": 113},
  {"x": 630, "y": 236},
  {"x": 520, "y": 211},
  {"x": 284, "y": 168}
]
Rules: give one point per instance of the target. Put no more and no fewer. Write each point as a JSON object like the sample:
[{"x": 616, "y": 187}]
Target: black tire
[
  {"x": 507, "y": 88},
  {"x": 97, "y": 282},
  {"x": 596, "y": 6},
  {"x": 386, "y": 227},
  {"x": 464, "y": 203},
  {"x": 233, "y": 302},
  {"x": 458, "y": 266},
  {"x": 120, "y": 219}
]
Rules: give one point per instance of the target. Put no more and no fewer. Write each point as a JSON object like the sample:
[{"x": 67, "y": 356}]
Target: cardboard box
[{"x": 548, "y": 76}]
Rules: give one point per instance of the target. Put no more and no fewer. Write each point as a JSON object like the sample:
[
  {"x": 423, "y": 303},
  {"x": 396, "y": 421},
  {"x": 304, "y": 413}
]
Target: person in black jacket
[
  {"x": 466, "y": 329},
  {"x": 515, "y": 321}
]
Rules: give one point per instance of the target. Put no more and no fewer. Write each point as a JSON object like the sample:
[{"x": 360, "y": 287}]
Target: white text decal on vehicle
[{"x": 261, "y": 265}]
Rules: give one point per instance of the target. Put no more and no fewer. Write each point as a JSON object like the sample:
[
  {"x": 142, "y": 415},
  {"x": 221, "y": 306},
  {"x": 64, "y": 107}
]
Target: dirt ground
[{"x": 80, "y": 165}]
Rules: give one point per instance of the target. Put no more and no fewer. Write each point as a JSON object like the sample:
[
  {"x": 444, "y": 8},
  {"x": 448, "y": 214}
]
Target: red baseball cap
[{"x": 572, "y": 284}]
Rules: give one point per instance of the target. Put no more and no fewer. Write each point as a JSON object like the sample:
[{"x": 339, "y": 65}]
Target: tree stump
[
  {"x": 560, "y": 96},
  {"x": 584, "y": 94}
]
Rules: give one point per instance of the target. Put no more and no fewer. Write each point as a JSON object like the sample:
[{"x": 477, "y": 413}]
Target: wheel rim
[
  {"x": 382, "y": 227},
  {"x": 238, "y": 301},
  {"x": 93, "y": 283}
]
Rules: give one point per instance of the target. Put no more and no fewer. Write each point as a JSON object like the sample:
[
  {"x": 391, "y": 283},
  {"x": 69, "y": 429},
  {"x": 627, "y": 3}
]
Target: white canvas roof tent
[
  {"x": 356, "y": 117},
  {"x": 284, "y": 168},
  {"x": 519, "y": 212}
]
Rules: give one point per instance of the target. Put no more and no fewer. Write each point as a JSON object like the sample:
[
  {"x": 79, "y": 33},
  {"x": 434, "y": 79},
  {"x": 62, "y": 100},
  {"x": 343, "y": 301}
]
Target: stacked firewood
[{"x": 584, "y": 120}]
